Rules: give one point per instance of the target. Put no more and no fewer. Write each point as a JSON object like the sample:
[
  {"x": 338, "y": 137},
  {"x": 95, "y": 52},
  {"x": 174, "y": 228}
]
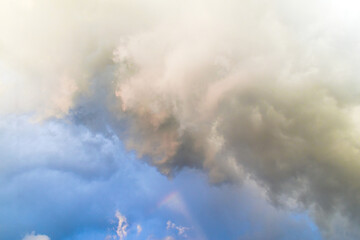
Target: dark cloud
[{"x": 241, "y": 90}]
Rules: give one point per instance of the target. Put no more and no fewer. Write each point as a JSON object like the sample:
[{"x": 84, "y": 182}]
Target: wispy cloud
[
  {"x": 121, "y": 229},
  {"x": 181, "y": 229}
]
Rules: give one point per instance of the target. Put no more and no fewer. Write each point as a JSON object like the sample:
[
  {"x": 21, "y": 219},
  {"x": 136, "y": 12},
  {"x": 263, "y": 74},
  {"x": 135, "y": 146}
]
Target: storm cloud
[{"x": 239, "y": 89}]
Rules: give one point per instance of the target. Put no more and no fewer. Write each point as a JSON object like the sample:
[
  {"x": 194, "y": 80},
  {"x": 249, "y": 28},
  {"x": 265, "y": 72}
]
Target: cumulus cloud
[
  {"x": 50, "y": 50},
  {"x": 239, "y": 89},
  {"x": 269, "y": 91},
  {"x": 33, "y": 236}
]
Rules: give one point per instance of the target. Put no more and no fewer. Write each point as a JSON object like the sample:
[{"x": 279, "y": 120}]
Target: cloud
[
  {"x": 83, "y": 201},
  {"x": 122, "y": 226},
  {"x": 169, "y": 238},
  {"x": 61, "y": 172},
  {"x": 43, "y": 73},
  {"x": 181, "y": 230},
  {"x": 246, "y": 92},
  {"x": 138, "y": 228},
  {"x": 33, "y": 236},
  {"x": 55, "y": 145},
  {"x": 242, "y": 90}
]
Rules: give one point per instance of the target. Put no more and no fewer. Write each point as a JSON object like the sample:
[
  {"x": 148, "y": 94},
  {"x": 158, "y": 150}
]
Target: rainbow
[{"x": 168, "y": 199}]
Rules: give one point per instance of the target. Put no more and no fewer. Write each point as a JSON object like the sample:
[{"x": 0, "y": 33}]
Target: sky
[{"x": 172, "y": 120}]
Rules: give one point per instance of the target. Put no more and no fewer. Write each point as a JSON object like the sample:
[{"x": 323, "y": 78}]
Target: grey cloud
[
  {"x": 243, "y": 94},
  {"x": 240, "y": 89}
]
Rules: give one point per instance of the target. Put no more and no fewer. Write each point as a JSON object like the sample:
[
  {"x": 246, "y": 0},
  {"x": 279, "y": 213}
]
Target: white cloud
[
  {"x": 138, "y": 228},
  {"x": 33, "y": 236},
  {"x": 169, "y": 238},
  {"x": 121, "y": 229},
  {"x": 180, "y": 229}
]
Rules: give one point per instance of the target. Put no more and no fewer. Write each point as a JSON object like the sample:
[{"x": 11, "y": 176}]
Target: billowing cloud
[
  {"x": 50, "y": 50},
  {"x": 242, "y": 90},
  {"x": 251, "y": 89}
]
